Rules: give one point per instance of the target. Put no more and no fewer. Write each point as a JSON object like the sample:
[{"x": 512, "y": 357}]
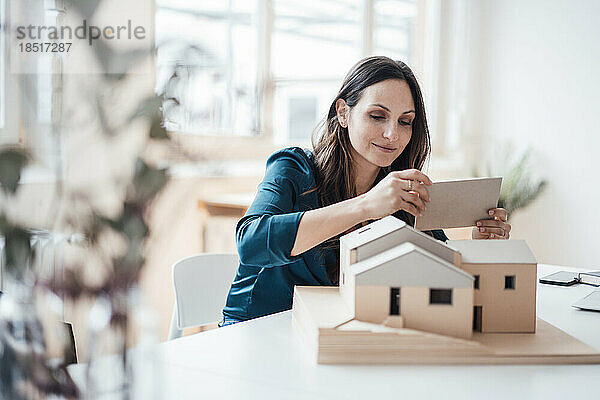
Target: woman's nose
[{"x": 391, "y": 133}]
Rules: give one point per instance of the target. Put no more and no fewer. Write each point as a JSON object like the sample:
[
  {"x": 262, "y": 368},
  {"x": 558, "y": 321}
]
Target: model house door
[
  {"x": 477, "y": 318},
  {"x": 395, "y": 301}
]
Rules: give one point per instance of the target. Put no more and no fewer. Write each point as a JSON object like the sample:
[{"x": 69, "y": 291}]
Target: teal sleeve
[{"x": 266, "y": 234}]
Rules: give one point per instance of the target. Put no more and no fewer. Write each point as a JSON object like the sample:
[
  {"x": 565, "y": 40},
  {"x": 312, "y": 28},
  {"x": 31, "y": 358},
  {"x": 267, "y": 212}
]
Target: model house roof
[
  {"x": 494, "y": 251},
  {"x": 409, "y": 265},
  {"x": 389, "y": 232}
]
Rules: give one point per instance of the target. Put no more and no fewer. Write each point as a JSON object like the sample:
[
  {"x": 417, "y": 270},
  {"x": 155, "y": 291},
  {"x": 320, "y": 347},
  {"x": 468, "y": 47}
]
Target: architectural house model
[
  {"x": 405, "y": 297},
  {"x": 408, "y": 287},
  {"x": 505, "y": 274}
]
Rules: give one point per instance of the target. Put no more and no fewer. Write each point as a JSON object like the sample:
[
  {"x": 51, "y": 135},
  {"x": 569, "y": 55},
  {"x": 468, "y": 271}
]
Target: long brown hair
[{"x": 335, "y": 176}]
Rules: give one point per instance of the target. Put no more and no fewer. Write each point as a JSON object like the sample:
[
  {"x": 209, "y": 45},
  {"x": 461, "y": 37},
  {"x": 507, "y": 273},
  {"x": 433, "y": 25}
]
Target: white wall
[{"x": 536, "y": 82}]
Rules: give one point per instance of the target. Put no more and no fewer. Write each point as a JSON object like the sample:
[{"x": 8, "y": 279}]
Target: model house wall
[
  {"x": 505, "y": 274},
  {"x": 378, "y": 237},
  {"x": 432, "y": 294}
]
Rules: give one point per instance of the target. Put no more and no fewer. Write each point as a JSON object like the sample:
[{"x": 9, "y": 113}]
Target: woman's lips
[{"x": 385, "y": 149}]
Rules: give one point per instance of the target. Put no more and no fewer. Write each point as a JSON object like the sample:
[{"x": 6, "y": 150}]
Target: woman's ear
[{"x": 342, "y": 112}]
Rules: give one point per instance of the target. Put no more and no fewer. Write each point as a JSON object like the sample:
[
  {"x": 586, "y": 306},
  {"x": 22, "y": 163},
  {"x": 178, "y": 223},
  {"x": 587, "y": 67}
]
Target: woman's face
[{"x": 380, "y": 124}]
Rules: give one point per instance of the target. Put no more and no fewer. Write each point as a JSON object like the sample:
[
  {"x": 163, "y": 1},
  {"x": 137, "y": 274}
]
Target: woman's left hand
[{"x": 496, "y": 228}]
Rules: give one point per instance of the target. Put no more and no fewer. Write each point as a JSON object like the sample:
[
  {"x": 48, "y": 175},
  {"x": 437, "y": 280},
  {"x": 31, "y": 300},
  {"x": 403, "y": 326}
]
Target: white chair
[{"x": 201, "y": 285}]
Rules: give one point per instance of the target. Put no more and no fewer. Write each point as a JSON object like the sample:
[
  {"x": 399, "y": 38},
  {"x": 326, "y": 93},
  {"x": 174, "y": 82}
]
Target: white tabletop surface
[{"x": 266, "y": 359}]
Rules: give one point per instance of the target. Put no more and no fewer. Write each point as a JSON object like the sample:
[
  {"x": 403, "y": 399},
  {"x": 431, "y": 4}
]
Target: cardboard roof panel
[
  {"x": 409, "y": 265},
  {"x": 494, "y": 251},
  {"x": 389, "y": 232},
  {"x": 372, "y": 231}
]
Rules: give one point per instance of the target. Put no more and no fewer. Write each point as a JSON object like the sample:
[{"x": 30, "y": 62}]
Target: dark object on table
[{"x": 562, "y": 278}]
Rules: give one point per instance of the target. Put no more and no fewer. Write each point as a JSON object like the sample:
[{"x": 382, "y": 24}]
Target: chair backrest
[{"x": 201, "y": 286}]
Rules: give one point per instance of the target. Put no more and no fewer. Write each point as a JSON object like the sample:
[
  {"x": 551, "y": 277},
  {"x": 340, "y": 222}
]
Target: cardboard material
[
  {"x": 386, "y": 233},
  {"x": 459, "y": 203},
  {"x": 377, "y": 237},
  {"x": 492, "y": 261},
  {"x": 335, "y": 339},
  {"x": 409, "y": 265},
  {"x": 493, "y": 251},
  {"x": 399, "y": 302},
  {"x": 414, "y": 272}
]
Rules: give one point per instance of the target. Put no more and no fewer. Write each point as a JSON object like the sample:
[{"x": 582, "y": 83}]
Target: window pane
[
  {"x": 394, "y": 28},
  {"x": 509, "y": 282},
  {"x": 440, "y": 296},
  {"x": 298, "y": 107},
  {"x": 314, "y": 44},
  {"x": 315, "y": 39},
  {"x": 2, "y": 60},
  {"x": 216, "y": 83},
  {"x": 394, "y": 301}
]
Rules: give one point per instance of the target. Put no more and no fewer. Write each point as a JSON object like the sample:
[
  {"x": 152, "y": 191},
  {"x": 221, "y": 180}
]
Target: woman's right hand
[{"x": 399, "y": 190}]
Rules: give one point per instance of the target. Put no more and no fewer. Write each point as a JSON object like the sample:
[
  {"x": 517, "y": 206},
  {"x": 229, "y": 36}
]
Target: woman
[{"x": 366, "y": 165}]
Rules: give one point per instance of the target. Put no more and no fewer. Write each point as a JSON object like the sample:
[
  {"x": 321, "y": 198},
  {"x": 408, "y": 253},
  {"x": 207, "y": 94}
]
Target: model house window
[
  {"x": 476, "y": 282},
  {"x": 509, "y": 282},
  {"x": 394, "y": 301},
  {"x": 440, "y": 296}
]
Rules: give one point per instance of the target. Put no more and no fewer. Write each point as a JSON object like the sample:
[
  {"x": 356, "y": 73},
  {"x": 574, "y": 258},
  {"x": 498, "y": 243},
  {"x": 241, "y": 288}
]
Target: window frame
[
  {"x": 10, "y": 132},
  {"x": 435, "y": 300},
  {"x": 510, "y": 282},
  {"x": 267, "y": 82},
  {"x": 3, "y": 58},
  {"x": 394, "y": 301}
]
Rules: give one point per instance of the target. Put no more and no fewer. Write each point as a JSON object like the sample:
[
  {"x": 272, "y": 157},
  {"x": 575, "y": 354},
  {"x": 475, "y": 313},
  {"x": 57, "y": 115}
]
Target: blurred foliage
[
  {"x": 24, "y": 366},
  {"x": 12, "y": 161},
  {"x": 519, "y": 188},
  {"x": 17, "y": 247}
]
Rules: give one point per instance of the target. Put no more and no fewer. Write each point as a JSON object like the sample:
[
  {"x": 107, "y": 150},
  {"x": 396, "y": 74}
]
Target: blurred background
[{"x": 510, "y": 88}]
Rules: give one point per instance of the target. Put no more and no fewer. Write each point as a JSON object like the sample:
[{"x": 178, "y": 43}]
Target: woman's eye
[
  {"x": 377, "y": 117},
  {"x": 406, "y": 123}
]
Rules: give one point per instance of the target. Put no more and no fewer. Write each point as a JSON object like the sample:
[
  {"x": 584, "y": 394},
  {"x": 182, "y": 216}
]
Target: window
[
  {"x": 509, "y": 282},
  {"x": 212, "y": 47},
  {"x": 28, "y": 101},
  {"x": 313, "y": 47},
  {"x": 2, "y": 61},
  {"x": 477, "y": 318},
  {"x": 394, "y": 301},
  {"x": 476, "y": 282},
  {"x": 440, "y": 296},
  {"x": 272, "y": 67}
]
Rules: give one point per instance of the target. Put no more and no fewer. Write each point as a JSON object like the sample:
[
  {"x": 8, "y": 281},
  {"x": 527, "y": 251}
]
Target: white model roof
[
  {"x": 372, "y": 231},
  {"x": 409, "y": 265},
  {"x": 389, "y": 232},
  {"x": 494, "y": 251}
]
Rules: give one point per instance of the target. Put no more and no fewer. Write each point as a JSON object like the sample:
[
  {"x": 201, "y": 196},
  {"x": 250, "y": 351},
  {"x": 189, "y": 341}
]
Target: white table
[{"x": 266, "y": 359}]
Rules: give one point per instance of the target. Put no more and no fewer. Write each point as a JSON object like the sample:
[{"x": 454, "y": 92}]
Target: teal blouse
[{"x": 266, "y": 276}]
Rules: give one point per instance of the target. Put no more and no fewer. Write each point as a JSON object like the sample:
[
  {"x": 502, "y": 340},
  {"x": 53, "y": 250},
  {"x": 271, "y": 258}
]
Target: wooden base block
[{"x": 323, "y": 319}]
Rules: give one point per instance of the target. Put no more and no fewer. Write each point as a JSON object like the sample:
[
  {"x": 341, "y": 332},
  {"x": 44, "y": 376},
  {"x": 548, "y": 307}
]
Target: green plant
[{"x": 519, "y": 188}]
